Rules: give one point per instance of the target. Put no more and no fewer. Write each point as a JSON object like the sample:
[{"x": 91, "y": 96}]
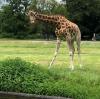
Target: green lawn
[
  {"x": 41, "y": 52},
  {"x": 80, "y": 84}
]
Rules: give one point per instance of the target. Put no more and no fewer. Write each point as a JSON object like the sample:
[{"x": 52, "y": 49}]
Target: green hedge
[
  {"x": 18, "y": 75},
  {"x": 21, "y": 76}
]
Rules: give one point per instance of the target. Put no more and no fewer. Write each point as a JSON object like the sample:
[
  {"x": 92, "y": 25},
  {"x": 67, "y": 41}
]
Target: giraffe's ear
[{"x": 32, "y": 13}]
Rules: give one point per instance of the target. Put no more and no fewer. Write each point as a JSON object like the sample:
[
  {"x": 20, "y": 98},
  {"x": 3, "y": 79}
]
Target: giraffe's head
[{"x": 31, "y": 14}]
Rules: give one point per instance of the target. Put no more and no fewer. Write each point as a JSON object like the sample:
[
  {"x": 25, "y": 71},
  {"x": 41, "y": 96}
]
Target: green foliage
[
  {"x": 86, "y": 14},
  {"x": 20, "y": 76},
  {"x": 15, "y": 24},
  {"x": 47, "y": 7}
]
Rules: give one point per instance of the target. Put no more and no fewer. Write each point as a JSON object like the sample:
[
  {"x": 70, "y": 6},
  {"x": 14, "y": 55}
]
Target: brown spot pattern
[{"x": 63, "y": 26}]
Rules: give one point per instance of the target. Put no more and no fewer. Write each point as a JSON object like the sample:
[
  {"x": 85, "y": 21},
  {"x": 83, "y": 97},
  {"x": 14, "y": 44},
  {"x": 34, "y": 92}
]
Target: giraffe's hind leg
[
  {"x": 71, "y": 52},
  {"x": 56, "y": 51},
  {"x": 78, "y": 41}
]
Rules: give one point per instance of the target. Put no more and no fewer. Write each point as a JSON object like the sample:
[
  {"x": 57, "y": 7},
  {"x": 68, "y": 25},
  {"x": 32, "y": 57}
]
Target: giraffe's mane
[{"x": 39, "y": 13}]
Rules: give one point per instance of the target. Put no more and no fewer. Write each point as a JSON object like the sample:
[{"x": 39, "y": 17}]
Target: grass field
[
  {"x": 83, "y": 83},
  {"x": 41, "y": 52}
]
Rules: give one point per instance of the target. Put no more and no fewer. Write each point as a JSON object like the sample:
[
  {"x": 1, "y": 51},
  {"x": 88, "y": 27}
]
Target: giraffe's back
[{"x": 67, "y": 28}]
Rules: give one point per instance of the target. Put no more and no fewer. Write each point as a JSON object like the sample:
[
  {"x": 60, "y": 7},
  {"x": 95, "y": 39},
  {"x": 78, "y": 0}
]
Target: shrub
[{"x": 21, "y": 76}]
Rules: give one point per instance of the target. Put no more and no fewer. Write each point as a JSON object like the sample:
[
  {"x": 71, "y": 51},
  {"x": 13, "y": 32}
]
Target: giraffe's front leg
[{"x": 56, "y": 51}]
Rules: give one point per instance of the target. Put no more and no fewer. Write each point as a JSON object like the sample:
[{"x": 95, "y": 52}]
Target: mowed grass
[
  {"x": 41, "y": 52},
  {"x": 80, "y": 84}
]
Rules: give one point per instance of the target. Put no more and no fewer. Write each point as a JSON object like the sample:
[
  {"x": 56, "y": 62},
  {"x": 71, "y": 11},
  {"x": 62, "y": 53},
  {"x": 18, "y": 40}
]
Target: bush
[{"x": 20, "y": 76}]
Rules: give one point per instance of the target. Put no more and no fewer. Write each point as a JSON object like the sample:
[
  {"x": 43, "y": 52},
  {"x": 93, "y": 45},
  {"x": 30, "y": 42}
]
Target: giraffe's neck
[{"x": 46, "y": 18}]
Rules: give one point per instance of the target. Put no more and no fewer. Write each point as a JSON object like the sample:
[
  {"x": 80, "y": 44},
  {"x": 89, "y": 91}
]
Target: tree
[
  {"x": 86, "y": 13},
  {"x": 14, "y": 21},
  {"x": 48, "y": 7}
]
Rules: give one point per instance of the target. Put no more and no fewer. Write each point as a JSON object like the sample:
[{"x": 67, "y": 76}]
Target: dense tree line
[
  {"x": 15, "y": 24},
  {"x": 86, "y": 13}
]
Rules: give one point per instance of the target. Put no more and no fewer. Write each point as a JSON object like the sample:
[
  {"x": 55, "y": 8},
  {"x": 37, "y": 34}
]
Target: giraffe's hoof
[
  {"x": 81, "y": 65},
  {"x": 71, "y": 68}
]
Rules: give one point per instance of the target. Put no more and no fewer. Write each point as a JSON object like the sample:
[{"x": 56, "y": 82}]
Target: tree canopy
[{"x": 15, "y": 24}]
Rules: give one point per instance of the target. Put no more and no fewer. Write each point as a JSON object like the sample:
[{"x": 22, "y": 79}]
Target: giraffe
[{"x": 64, "y": 28}]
